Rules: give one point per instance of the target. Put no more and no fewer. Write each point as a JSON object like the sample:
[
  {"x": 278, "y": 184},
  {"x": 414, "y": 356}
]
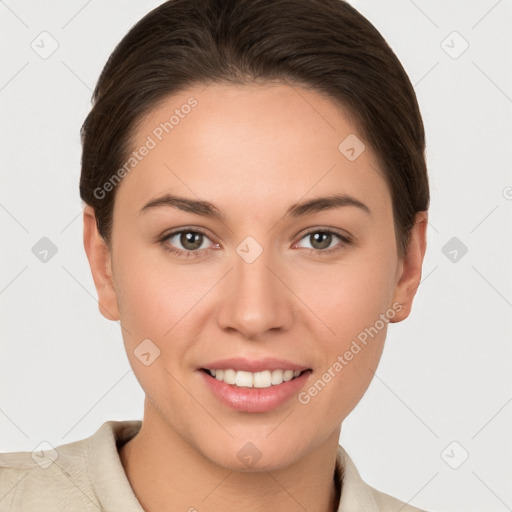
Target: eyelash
[{"x": 197, "y": 252}]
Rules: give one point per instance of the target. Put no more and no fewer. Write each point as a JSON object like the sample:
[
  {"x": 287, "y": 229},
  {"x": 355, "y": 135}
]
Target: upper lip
[{"x": 254, "y": 365}]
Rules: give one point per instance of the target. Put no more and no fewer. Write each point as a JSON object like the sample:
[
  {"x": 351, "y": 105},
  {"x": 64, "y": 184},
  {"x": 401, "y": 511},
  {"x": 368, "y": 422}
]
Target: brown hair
[{"x": 324, "y": 45}]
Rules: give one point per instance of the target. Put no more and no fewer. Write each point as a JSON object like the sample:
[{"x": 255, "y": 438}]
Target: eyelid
[
  {"x": 345, "y": 238},
  {"x": 188, "y": 229},
  {"x": 345, "y": 241}
]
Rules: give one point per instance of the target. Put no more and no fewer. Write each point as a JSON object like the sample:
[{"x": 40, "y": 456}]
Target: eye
[
  {"x": 192, "y": 242},
  {"x": 195, "y": 243},
  {"x": 321, "y": 239}
]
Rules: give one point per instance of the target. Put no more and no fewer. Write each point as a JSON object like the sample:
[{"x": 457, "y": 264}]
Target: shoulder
[
  {"x": 52, "y": 477},
  {"x": 386, "y": 503},
  {"x": 59, "y": 478},
  {"x": 358, "y": 495}
]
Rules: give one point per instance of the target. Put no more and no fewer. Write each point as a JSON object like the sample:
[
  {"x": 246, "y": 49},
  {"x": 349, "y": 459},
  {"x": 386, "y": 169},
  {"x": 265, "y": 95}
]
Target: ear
[
  {"x": 409, "y": 269},
  {"x": 100, "y": 261}
]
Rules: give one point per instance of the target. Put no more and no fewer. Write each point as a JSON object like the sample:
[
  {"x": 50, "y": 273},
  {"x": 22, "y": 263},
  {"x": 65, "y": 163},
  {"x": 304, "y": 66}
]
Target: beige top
[{"x": 87, "y": 476}]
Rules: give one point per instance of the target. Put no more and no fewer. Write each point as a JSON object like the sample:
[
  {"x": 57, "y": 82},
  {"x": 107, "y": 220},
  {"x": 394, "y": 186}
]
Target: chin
[
  {"x": 257, "y": 456},
  {"x": 260, "y": 465}
]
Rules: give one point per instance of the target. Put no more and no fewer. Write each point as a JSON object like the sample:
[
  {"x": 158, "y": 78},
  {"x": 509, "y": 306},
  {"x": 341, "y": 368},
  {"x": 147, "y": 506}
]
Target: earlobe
[
  {"x": 409, "y": 274},
  {"x": 100, "y": 262}
]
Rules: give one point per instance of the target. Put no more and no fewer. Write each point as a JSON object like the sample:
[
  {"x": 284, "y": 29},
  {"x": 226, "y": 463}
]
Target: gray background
[{"x": 443, "y": 388}]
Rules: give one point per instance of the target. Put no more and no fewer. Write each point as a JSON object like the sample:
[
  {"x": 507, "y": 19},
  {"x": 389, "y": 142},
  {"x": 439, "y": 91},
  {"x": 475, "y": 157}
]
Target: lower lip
[{"x": 255, "y": 399}]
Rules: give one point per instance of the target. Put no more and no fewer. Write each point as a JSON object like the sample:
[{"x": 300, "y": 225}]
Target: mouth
[
  {"x": 254, "y": 385},
  {"x": 262, "y": 379},
  {"x": 262, "y": 391}
]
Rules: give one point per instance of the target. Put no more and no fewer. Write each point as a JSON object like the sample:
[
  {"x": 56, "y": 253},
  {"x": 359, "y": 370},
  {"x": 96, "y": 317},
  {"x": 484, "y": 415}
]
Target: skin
[{"x": 253, "y": 151}]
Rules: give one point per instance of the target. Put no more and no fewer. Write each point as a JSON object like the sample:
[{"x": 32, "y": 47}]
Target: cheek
[
  {"x": 161, "y": 301},
  {"x": 351, "y": 296},
  {"x": 155, "y": 302},
  {"x": 153, "y": 292},
  {"x": 353, "y": 302}
]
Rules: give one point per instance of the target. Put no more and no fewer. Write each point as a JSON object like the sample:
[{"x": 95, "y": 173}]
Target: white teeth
[
  {"x": 229, "y": 376},
  {"x": 288, "y": 375},
  {"x": 263, "y": 379},
  {"x": 243, "y": 379},
  {"x": 277, "y": 377}
]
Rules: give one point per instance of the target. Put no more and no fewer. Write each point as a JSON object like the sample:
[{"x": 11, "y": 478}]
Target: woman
[{"x": 256, "y": 206}]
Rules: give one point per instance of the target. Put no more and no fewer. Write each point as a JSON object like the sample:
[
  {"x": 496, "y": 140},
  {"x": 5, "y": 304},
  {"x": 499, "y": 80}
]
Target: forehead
[{"x": 256, "y": 143}]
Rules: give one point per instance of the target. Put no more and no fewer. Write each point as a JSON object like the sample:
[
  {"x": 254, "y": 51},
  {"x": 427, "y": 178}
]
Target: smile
[
  {"x": 244, "y": 379},
  {"x": 254, "y": 392}
]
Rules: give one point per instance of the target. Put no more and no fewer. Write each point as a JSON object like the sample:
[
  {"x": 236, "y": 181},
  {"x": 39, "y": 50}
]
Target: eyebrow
[{"x": 207, "y": 209}]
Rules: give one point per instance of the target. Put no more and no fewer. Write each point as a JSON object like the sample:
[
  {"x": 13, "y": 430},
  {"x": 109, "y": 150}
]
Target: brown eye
[
  {"x": 186, "y": 241},
  {"x": 320, "y": 239},
  {"x": 191, "y": 240}
]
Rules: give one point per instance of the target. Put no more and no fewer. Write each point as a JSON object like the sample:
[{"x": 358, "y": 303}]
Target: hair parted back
[{"x": 324, "y": 45}]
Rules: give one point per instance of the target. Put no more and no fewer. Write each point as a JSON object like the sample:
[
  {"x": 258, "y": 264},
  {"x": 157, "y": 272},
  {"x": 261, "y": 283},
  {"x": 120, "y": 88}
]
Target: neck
[{"x": 166, "y": 474}]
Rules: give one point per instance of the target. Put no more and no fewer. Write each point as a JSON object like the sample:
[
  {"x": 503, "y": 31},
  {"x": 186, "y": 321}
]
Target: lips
[
  {"x": 253, "y": 366},
  {"x": 261, "y": 397}
]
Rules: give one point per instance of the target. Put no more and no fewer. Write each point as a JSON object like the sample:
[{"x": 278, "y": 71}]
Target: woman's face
[{"x": 252, "y": 281}]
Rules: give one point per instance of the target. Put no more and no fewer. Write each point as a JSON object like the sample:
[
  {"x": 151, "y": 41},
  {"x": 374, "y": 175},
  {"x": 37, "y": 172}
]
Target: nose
[{"x": 255, "y": 298}]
